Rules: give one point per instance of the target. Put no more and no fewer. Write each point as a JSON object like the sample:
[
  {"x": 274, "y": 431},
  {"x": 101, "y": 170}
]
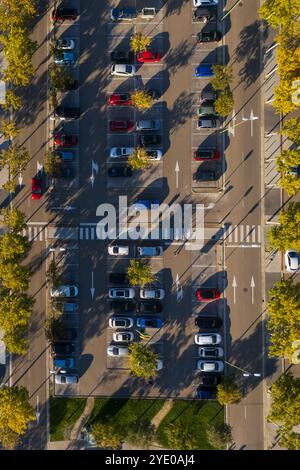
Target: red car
[
  {"x": 148, "y": 56},
  {"x": 65, "y": 140},
  {"x": 206, "y": 154},
  {"x": 62, "y": 14},
  {"x": 121, "y": 126},
  {"x": 206, "y": 294},
  {"x": 120, "y": 99},
  {"x": 36, "y": 188}
]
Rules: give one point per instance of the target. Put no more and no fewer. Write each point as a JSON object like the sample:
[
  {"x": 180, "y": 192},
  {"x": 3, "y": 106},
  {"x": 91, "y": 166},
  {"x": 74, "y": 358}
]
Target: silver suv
[{"x": 148, "y": 125}]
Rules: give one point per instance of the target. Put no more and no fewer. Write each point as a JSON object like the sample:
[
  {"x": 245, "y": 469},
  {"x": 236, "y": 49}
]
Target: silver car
[
  {"x": 119, "y": 293},
  {"x": 114, "y": 350},
  {"x": 123, "y": 70},
  {"x": 120, "y": 152},
  {"x": 148, "y": 125},
  {"x": 64, "y": 291},
  {"x": 66, "y": 379},
  {"x": 123, "y": 336}
]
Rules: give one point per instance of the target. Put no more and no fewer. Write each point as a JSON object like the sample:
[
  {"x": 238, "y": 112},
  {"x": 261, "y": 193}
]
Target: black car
[
  {"x": 207, "y": 323},
  {"x": 209, "y": 380},
  {"x": 146, "y": 140},
  {"x": 119, "y": 171},
  {"x": 61, "y": 13},
  {"x": 206, "y": 393},
  {"x": 209, "y": 36},
  {"x": 204, "y": 175},
  {"x": 153, "y": 93},
  {"x": 119, "y": 278},
  {"x": 149, "y": 307},
  {"x": 205, "y": 14},
  {"x": 121, "y": 57},
  {"x": 66, "y": 112},
  {"x": 63, "y": 348},
  {"x": 67, "y": 334},
  {"x": 122, "y": 307}
]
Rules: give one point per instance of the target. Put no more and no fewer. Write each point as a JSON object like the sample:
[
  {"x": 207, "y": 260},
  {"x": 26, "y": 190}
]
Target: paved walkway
[
  {"x": 157, "y": 419},
  {"x": 80, "y": 423}
]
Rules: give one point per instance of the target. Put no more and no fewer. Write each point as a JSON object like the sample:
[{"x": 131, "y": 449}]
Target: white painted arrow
[
  {"x": 92, "y": 289},
  {"x": 252, "y": 118},
  {"x": 20, "y": 179},
  {"x": 252, "y": 284},
  {"x": 177, "y": 172},
  {"x": 234, "y": 285}
]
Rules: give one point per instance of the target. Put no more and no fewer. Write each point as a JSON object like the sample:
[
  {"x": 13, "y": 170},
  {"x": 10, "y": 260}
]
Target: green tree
[
  {"x": 291, "y": 129},
  {"x": 16, "y": 158},
  {"x": 228, "y": 392},
  {"x": 290, "y": 440},
  {"x": 14, "y": 276},
  {"x": 279, "y": 12},
  {"x": 16, "y": 13},
  {"x": 141, "y": 99},
  {"x": 181, "y": 437},
  {"x": 9, "y": 129},
  {"x": 16, "y": 340},
  {"x": 107, "y": 435},
  {"x": 139, "y": 42},
  {"x": 61, "y": 79},
  {"x": 13, "y": 247},
  {"x": 139, "y": 273},
  {"x": 141, "y": 431},
  {"x": 283, "y": 318},
  {"x": 285, "y": 403},
  {"x": 283, "y": 96},
  {"x": 287, "y": 163},
  {"x": 52, "y": 164},
  {"x": 219, "y": 435},
  {"x": 142, "y": 360},
  {"x": 12, "y": 100},
  {"x": 14, "y": 219},
  {"x": 15, "y": 310},
  {"x": 139, "y": 159},
  {"x": 222, "y": 77},
  {"x": 54, "y": 328},
  {"x": 287, "y": 234},
  {"x": 15, "y": 414},
  {"x": 53, "y": 274},
  {"x": 224, "y": 103}
]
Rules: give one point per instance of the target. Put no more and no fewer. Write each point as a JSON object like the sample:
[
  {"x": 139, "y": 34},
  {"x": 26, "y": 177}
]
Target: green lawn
[
  {"x": 64, "y": 412},
  {"x": 195, "y": 416}
]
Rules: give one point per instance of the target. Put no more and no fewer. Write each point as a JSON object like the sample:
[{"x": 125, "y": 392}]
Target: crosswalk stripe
[
  {"x": 259, "y": 233},
  {"x": 92, "y": 233},
  {"x": 86, "y": 233},
  {"x": 236, "y": 234},
  {"x": 253, "y": 233},
  {"x": 242, "y": 232},
  {"x": 81, "y": 233},
  {"x": 247, "y": 233}
]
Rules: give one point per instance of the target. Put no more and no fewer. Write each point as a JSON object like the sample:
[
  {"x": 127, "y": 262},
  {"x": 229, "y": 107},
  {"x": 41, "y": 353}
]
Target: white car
[
  {"x": 123, "y": 70},
  {"x": 205, "y": 3},
  {"x": 154, "y": 154},
  {"x": 121, "y": 322},
  {"x": 210, "y": 366},
  {"x": 148, "y": 125},
  {"x": 64, "y": 291},
  {"x": 159, "y": 364},
  {"x": 207, "y": 339},
  {"x": 117, "y": 250},
  {"x": 120, "y": 152},
  {"x": 114, "y": 350},
  {"x": 123, "y": 336},
  {"x": 119, "y": 293},
  {"x": 155, "y": 294},
  {"x": 291, "y": 259},
  {"x": 66, "y": 379},
  {"x": 65, "y": 44}
]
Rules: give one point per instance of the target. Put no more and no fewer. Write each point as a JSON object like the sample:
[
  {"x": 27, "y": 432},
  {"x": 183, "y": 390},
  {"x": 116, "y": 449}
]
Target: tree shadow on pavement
[{"x": 179, "y": 56}]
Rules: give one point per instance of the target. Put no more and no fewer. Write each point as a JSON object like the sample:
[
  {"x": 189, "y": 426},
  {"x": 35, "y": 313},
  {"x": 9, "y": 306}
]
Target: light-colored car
[
  {"x": 291, "y": 259},
  {"x": 210, "y": 366},
  {"x": 64, "y": 291},
  {"x": 65, "y": 44},
  {"x": 66, "y": 379},
  {"x": 121, "y": 322},
  {"x": 148, "y": 13},
  {"x": 156, "y": 294},
  {"x": 123, "y": 70},
  {"x": 207, "y": 339},
  {"x": 120, "y": 152},
  {"x": 154, "y": 154},
  {"x": 119, "y": 293},
  {"x": 159, "y": 364},
  {"x": 150, "y": 250},
  {"x": 115, "y": 350},
  {"x": 117, "y": 250},
  {"x": 148, "y": 125},
  {"x": 205, "y": 3},
  {"x": 123, "y": 336}
]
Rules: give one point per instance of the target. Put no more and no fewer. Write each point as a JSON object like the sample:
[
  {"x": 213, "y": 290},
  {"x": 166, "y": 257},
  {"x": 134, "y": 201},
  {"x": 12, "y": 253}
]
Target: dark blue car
[
  {"x": 204, "y": 71},
  {"x": 205, "y": 393},
  {"x": 149, "y": 322},
  {"x": 118, "y": 14}
]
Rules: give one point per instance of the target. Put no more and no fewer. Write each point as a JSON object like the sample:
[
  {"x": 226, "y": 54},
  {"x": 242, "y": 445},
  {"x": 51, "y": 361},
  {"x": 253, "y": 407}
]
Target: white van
[{"x": 150, "y": 250}]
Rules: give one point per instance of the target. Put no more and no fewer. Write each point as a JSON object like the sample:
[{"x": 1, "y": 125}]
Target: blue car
[
  {"x": 65, "y": 58},
  {"x": 149, "y": 322},
  {"x": 118, "y": 14},
  {"x": 204, "y": 71},
  {"x": 64, "y": 362},
  {"x": 145, "y": 204},
  {"x": 206, "y": 393}
]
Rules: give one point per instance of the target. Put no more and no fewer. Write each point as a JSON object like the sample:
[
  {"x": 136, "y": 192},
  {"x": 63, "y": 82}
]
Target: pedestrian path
[{"x": 243, "y": 235}]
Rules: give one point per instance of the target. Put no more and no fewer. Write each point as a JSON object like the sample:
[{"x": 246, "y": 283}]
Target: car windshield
[
  {"x": 120, "y": 323},
  {"x": 293, "y": 254},
  {"x": 207, "y": 294},
  {"x": 128, "y": 69}
]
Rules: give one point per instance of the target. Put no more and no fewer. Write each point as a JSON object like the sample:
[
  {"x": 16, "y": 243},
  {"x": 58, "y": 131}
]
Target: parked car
[
  {"x": 145, "y": 204},
  {"x": 207, "y": 339},
  {"x": 64, "y": 362},
  {"x": 121, "y": 152},
  {"x": 121, "y": 322},
  {"x": 149, "y": 307},
  {"x": 210, "y": 366},
  {"x": 121, "y": 57},
  {"x": 207, "y": 122},
  {"x": 159, "y": 364},
  {"x": 208, "y": 352},
  {"x": 206, "y": 154},
  {"x": 120, "y": 99},
  {"x": 149, "y": 322},
  {"x": 291, "y": 259},
  {"x": 155, "y": 155},
  {"x": 209, "y": 36},
  {"x": 156, "y": 294},
  {"x": 123, "y": 70},
  {"x": 67, "y": 334},
  {"x": 293, "y": 171},
  {"x": 205, "y": 14},
  {"x": 148, "y": 125},
  {"x": 118, "y": 293},
  {"x": 119, "y": 278},
  {"x": 65, "y": 140},
  {"x": 148, "y": 13},
  {"x": 63, "y": 348},
  {"x": 205, "y": 294},
  {"x": 70, "y": 307},
  {"x": 208, "y": 95},
  {"x": 66, "y": 44},
  {"x": 64, "y": 113},
  {"x": 121, "y": 126},
  {"x": 119, "y": 171},
  {"x": 122, "y": 307},
  {"x": 66, "y": 379},
  {"x": 36, "y": 188},
  {"x": 209, "y": 380},
  {"x": 146, "y": 140},
  {"x": 127, "y": 14},
  {"x": 206, "y": 393},
  {"x": 123, "y": 336},
  {"x": 118, "y": 250},
  {"x": 114, "y": 350},
  {"x": 207, "y": 108},
  {"x": 150, "y": 250},
  {"x": 148, "y": 57},
  {"x": 207, "y": 175},
  {"x": 205, "y": 3},
  {"x": 204, "y": 71},
  {"x": 64, "y": 291},
  {"x": 207, "y": 323},
  {"x": 61, "y": 14},
  {"x": 65, "y": 58},
  {"x": 65, "y": 155}
]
